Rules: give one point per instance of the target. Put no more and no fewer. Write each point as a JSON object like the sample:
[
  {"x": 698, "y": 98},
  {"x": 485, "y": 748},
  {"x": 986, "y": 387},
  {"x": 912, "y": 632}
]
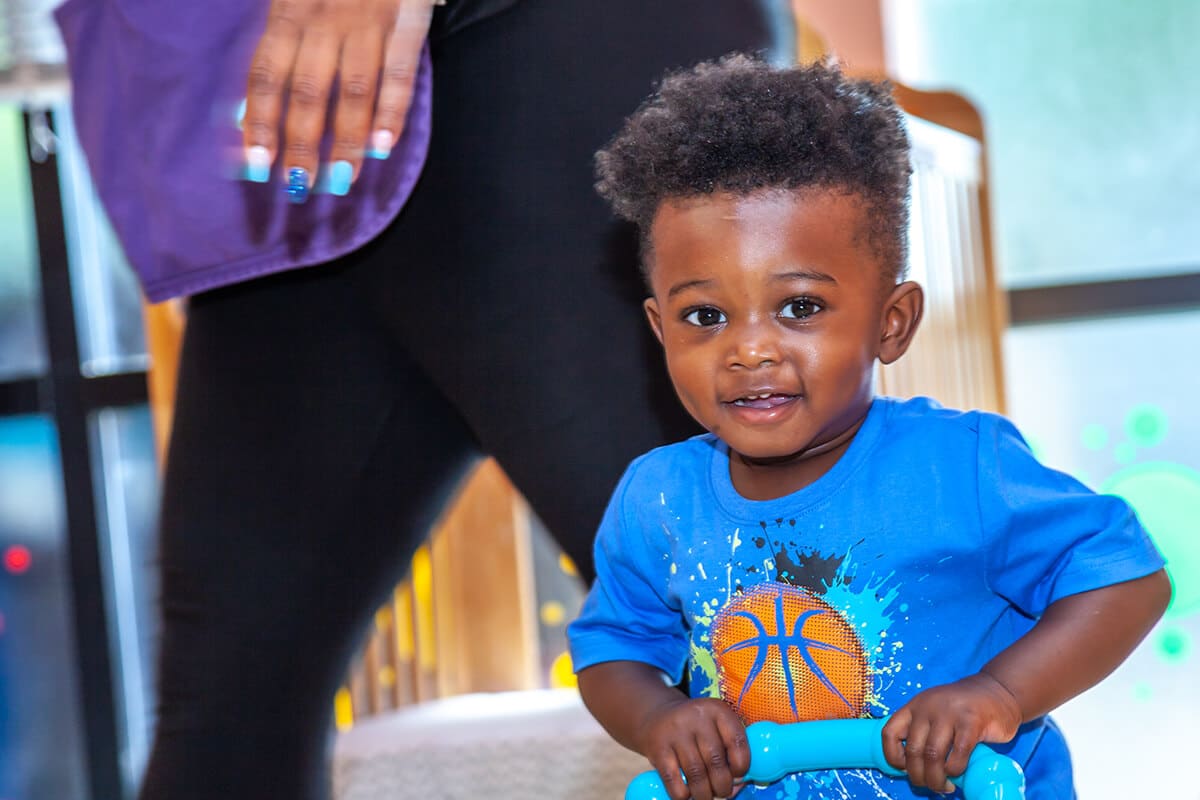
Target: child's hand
[
  {"x": 932, "y": 736},
  {"x": 704, "y": 739}
]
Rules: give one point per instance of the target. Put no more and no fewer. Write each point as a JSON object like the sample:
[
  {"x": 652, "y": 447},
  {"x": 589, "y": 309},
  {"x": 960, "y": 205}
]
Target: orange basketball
[{"x": 785, "y": 655}]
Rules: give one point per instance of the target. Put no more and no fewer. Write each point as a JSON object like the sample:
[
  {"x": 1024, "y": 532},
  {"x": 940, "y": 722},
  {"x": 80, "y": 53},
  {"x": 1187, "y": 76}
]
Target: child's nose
[{"x": 756, "y": 347}]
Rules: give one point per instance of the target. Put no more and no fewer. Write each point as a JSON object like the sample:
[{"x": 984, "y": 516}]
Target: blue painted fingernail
[
  {"x": 297, "y": 185},
  {"x": 239, "y": 114},
  {"x": 340, "y": 173},
  {"x": 258, "y": 164}
]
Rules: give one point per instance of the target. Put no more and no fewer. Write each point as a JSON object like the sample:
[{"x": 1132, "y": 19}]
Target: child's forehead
[
  {"x": 770, "y": 213},
  {"x": 761, "y": 206},
  {"x": 809, "y": 228}
]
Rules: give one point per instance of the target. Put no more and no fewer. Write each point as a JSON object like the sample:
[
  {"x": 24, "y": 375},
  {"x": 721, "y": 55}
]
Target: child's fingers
[
  {"x": 932, "y": 753},
  {"x": 895, "y": 731},
  {"x": 711, "y": 745},
  {"x": 914, "y": 753},
  {"x": 960, "y": 752},
  {"x": 737, "y": 748},
  {"x": 672, "y": 777},
  {"x": 693, "y": 760}
]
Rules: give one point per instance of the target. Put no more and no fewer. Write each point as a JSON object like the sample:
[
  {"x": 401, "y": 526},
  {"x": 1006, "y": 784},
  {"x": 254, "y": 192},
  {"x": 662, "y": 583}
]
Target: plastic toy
[{"x": 777, "y": 750}]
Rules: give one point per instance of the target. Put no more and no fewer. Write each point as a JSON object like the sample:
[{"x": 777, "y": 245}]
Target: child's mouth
[{"x": 764, "y": 401}]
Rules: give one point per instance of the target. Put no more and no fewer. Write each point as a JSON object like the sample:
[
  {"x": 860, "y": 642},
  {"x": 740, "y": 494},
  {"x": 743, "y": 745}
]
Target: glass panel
[
  {"x": 126, "y": 477},
  {"x": 1091, "y": 120},
  {"x": 41, "y": 753},
  {"x": 1121, "y": 417},
  {"x": 108, "y": 307},
  {"x": 22, "y": 343}
]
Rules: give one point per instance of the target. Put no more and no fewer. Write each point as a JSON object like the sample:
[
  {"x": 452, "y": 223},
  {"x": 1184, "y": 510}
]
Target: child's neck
[{"x": 760, "y": 479}]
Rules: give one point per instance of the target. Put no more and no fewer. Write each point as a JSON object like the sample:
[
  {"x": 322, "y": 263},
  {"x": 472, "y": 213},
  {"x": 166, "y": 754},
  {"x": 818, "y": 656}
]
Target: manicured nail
[
  {"x": 297, "y": 185},
  {"x": 239, "y": 114},
  {"x": 340, "y": 173},
  {"x": 258, "y": 164},
  {"x": 381, "y": 145}
]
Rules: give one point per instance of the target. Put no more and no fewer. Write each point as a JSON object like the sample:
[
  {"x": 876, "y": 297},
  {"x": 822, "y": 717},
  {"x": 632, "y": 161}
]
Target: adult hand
[
  {"x": 932, "y": 736},
  {"x": 372, "y": 48},
  {"x": 702, "y": 738}
]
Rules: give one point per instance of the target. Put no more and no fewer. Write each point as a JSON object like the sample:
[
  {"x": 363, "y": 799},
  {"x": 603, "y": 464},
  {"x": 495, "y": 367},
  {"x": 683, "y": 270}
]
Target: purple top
[{"x": 156, "y": 88}]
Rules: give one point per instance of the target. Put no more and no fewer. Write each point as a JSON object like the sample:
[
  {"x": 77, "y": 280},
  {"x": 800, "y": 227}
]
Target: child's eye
[
  {"x": 704, "y": 316},
  {"x": 800, "y": 308}
]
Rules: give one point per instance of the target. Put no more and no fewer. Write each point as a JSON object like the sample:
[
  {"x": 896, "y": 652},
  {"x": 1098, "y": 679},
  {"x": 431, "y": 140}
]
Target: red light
[{"x": 17, "y": 559}]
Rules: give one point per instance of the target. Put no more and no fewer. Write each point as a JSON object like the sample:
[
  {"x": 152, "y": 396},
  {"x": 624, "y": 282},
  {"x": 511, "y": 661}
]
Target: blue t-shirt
[{"x": 932, "y": 544}]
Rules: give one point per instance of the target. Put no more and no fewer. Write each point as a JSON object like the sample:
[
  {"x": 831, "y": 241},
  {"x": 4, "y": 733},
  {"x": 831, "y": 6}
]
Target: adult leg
[
  {"x": 307, "y": 461},
  {"x": 506, "y": 275}
]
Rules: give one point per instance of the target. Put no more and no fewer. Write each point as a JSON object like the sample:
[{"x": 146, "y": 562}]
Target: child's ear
[
  {"x": 655, "y": 318},
  {"x": 901, "y": 315}
]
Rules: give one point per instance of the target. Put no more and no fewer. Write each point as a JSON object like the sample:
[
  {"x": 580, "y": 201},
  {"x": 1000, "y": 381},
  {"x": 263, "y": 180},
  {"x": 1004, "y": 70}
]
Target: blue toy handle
[{"x": 777, "y": 750}]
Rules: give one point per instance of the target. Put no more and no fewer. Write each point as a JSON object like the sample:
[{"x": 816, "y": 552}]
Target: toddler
[{"x": 823, "y": 552}]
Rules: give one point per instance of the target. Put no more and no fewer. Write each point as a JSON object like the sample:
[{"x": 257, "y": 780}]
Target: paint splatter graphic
[{"x": 787, "y": 631}]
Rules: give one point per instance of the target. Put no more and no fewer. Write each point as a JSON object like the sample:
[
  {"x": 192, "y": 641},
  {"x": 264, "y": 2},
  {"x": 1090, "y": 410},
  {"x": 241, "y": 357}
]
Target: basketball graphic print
[{"x": 785, "y": 655}]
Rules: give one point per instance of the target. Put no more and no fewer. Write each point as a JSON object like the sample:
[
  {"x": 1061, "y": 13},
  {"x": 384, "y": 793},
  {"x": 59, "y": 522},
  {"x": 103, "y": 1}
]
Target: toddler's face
[{"x": 771, "y": 311}]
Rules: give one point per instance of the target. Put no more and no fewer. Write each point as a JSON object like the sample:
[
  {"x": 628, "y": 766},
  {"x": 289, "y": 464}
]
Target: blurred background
[{"x": 1062, "y": 167}]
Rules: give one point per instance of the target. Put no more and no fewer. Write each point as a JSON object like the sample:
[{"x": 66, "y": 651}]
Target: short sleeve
[
  {"x": 1047, "y": 535},
  {"x": 628, "y": 615}
]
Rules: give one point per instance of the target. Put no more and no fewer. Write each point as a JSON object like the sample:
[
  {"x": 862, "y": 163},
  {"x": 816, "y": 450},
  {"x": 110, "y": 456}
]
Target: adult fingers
[
  {"x": 265, "y": 83},
  {"x": 401, "y": 61},
  {"x": 358, "y": 73},
  {"x": 308, "y": 104}
]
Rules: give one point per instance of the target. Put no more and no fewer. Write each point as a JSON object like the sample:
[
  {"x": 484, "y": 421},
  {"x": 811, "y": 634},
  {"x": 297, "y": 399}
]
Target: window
[
  {"x": 22, "y": 346},
  {"x": 1091, "y": 123},
  {"x": 41, "y": 752},
  {"x": 78, "y": 482}
]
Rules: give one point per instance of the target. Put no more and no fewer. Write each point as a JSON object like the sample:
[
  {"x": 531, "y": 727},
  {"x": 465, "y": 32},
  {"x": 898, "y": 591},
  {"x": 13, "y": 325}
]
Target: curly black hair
[{"x": 738, "y": 125}]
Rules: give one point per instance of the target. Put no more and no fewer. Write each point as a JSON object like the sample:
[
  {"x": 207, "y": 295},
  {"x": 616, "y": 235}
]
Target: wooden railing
[{"x": 956, "y": 355}]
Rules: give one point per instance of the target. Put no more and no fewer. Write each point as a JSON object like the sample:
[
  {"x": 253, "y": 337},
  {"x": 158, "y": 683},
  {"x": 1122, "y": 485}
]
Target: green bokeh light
[
  {"x": 1146, "y": 425},
  {"x": 1166, "y": 497},
  {"x": 1174, "y": 644},
  {"x": 1095, "y": 437},
  {"x": 1143, "y": 692}
]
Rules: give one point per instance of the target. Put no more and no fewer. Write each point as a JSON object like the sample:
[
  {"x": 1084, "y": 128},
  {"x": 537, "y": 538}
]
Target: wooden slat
[
  {"x": 164, "y": 338},
  {"x": 483, "y": 593}
]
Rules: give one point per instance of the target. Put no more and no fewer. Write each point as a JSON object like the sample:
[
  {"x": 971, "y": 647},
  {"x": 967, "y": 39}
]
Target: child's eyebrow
[
  {"x": 779, "y": 277},
  {"x": 803, "y": 275},
  {"x": 699, "y": 283}
]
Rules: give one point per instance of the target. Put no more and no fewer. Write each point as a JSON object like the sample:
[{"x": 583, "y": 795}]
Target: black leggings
[{"x": 325, "y": 416}]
